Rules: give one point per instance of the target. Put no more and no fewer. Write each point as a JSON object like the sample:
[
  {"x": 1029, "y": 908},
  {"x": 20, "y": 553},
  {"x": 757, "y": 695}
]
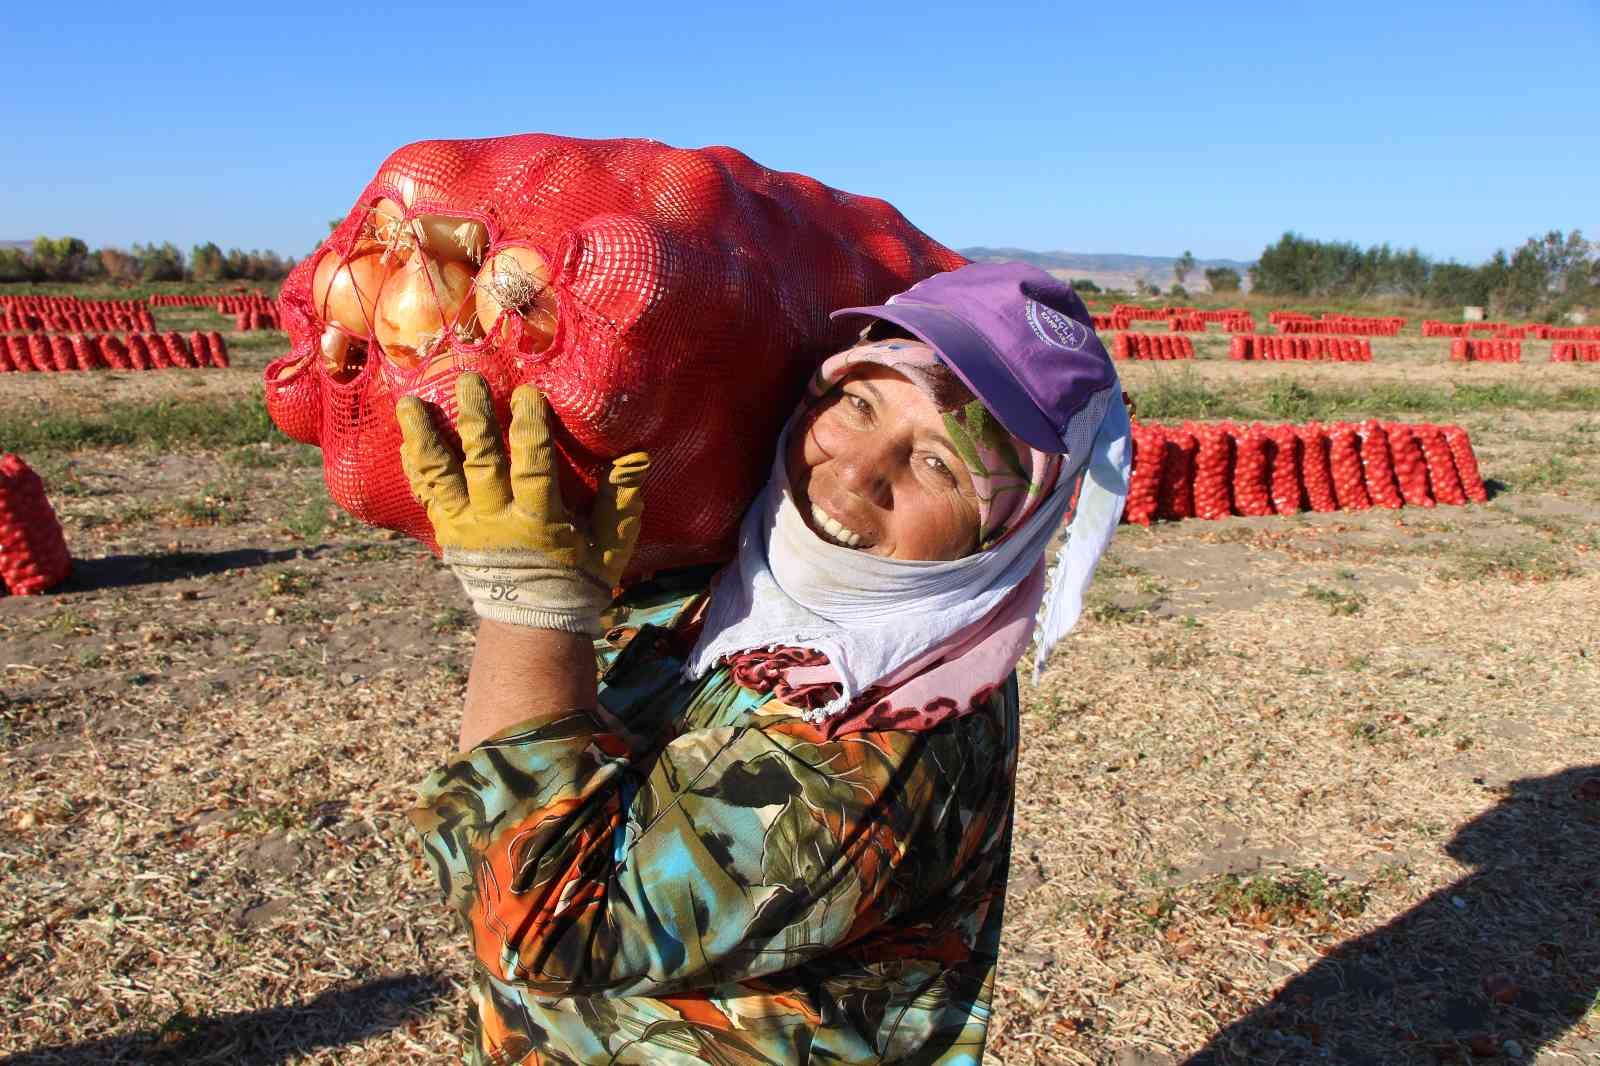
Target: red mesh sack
[
  {"x": 81, "y": 357},
  {"x": 1344, "y": 462},
  {"x": 1410, "y": 468},
  {"x": 1315, "y": 473},
  {"x": 684, "y": 293},
  {"x": 1284, "y": 468},
  {"x": 217, "y": 349},
  {"x": 17, "y": 349},
  {"x": 199, "y": 349},
  {"x": 1252, "y": 493},
  {"x": 1175, "y": 493},
  {"x": 61, "y": 353},
  {"x": 39, "y": 352},
  {"x": 115, "y": 351},
  {"x": 1466, "y": 464},
  {"x": 1213, "y": 464},
  {"x": 1377, "y": 465},
  {"x": 178, "y": 354},
  {"x": 139, "y": 352},
  {"x": 33, "y": 551},
  {"x": 1149, "y": 452},
  {"x": 6, "y": 364},
  {"x": 1443, "y": 480}
]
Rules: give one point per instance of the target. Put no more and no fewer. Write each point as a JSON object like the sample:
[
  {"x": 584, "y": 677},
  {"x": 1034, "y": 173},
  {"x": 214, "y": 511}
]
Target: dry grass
[{"x": 1299, "y": 790}]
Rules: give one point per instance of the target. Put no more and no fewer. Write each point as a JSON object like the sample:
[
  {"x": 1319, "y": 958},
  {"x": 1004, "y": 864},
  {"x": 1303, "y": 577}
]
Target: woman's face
[{"x": 873, "y": 469}]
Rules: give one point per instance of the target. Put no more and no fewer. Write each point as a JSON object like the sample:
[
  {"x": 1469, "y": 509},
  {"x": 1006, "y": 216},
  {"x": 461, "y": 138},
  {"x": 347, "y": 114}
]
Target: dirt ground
[{"x": 1312, "y": 789}]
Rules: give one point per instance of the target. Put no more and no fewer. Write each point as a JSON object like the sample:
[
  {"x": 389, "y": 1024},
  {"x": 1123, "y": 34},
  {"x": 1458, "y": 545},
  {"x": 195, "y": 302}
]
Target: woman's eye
[{"x": 938, "y": 466}]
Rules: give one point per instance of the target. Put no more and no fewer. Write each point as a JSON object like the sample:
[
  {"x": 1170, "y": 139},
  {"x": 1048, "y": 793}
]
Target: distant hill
[
  {"x": 1109, "y": 270},
  {"x": 26, "y": 245}
]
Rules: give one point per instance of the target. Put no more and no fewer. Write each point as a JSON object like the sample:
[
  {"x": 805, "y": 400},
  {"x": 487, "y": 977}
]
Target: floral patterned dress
[{"x": 692, "y": 873}]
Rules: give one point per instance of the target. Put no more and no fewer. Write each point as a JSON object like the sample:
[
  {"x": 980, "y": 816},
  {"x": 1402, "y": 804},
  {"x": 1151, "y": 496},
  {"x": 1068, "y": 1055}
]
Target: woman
[{"x": 778, "y": 831}]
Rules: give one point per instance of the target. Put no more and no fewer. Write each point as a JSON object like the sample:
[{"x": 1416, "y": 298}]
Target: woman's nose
[{"x": 864, "y": 469}]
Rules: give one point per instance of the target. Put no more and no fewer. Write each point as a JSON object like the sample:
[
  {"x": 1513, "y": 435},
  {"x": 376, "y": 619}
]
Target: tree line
[
  {"x": 1546, "y": 276},
  {"x": 71, "y": 259}
]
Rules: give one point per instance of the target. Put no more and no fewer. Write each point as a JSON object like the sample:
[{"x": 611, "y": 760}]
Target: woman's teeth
[{"x": 833, "y": 529}]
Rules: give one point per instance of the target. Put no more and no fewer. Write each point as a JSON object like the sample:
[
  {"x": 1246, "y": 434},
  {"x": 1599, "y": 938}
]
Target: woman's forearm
[{"x": 520, "y": 673}]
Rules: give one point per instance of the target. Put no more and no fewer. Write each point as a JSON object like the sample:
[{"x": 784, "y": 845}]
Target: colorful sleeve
[{"x": 729, "y": 853}]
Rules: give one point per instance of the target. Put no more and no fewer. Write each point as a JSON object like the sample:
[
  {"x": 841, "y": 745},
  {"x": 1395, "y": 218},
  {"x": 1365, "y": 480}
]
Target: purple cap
[{"x": 1023, "y": 342}]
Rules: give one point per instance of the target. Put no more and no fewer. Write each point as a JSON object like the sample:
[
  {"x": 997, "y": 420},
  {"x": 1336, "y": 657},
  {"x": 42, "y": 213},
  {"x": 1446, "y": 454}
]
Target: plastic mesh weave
[{"x": 693, "y": 288}]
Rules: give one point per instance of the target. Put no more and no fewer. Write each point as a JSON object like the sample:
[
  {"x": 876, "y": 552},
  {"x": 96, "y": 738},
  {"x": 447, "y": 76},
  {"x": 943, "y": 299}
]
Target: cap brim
[{"x": 972, "y": 360}]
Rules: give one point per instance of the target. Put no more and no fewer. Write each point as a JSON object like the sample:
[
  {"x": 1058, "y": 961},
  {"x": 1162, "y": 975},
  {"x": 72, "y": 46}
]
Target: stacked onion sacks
[{"x": 1217, "y": 469}]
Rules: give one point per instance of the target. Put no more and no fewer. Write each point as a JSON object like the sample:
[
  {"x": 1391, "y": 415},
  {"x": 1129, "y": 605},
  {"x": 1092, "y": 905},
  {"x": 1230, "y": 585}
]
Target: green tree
[
  {"x": 1084, "y": 285},
  {"x": 60, "y": 258},
  {"x": 1182, "y": 266},
  {"x": 1223, "y": 279},
  {"x": 206, "y": 262},
  {"x": 119, "y": 266},
  {"x": 159, "y": 262},
  {"x": 15, "y": 265}
]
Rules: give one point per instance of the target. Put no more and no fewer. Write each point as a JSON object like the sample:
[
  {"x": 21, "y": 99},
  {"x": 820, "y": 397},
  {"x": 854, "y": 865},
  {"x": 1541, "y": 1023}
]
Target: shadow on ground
[
  {"x": 259, "y": 1037},
  {"x": 123, "y": 571},
  {"x": 1490, "y": 968}
]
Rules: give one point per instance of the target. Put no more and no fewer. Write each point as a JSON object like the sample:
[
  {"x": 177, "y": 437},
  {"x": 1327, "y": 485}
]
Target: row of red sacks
[
  {"x": 1431, "y": 328},
  {"x": 1379, "y": 326},
  {"x": 140, "y": 351},
  {"x": 1575, "y": 352},
  {"x": 1332, "y": 349},
  {"x": 1470, "y": 351},
  {"x": 1151, "y": 346},
  {"x": 204, "y": 299},
  {"x": 232, "y": 305},
  {"x": 257, "y": 318},
  {"x": 33, "y": 549},
  {"x": 1567, "y": 333},
  {"x": 1216, "y": 469},
  {"x": 65, "y": 303},
  {"x": 75, "y": 320},
  {"x": 1342, "y": 326},
  {"x": 1187, "y": 321}
]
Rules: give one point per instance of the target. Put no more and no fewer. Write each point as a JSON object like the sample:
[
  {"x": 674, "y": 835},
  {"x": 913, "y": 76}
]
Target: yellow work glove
[{"x": 520, "y": 556}]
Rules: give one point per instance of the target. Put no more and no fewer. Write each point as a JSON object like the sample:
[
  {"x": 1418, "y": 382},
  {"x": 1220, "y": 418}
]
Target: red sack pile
[
  {"x": 1378, "y": 465},
  {"x": 1333, "y": 349},
  {"x": 1286, "y": 477},
  {"x": 1574, "y": 352},
  {"x": 1410, "y": 467},
  {"x": 671, "y": 300},
  {"x": 1567, "y": 333},
  {"x": 1151, "y": 346},
  {"x": 33, "y": 551},
  {"x": 1475, "y": 351},
  {"x": 1344, "y": 462},
  {"x": 1187, "y": 322},
  {"x": 1149, "y": 444},
  {"x": 251, "y": 318},
  {"x": 77, "y": 351},
  {"x": 1213, "y": 470},
  {"x": 1210, "y": 470},
  {"x": 1175, "y": 492},
  {"x": 1315, "y": 474},
  {"x": 1252, "y": 492}
]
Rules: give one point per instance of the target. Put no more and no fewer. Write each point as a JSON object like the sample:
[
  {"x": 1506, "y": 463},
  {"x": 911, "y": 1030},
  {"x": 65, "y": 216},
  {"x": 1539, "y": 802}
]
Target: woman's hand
[{"x": 521, "y": 557}]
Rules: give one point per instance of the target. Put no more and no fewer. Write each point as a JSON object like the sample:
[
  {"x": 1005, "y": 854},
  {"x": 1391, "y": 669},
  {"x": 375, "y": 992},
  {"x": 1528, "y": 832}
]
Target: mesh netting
[
  {"x": 33, "y": 551},
  {"x": 685, "y": 304}
]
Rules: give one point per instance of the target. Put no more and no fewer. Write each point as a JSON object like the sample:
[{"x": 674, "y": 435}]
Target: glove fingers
[
  {"x": 618, "y": 514},
  {"x": 483, "y": 461},
  {"x": 433, "y": 472},
  {"x": 533, "y": 458}
]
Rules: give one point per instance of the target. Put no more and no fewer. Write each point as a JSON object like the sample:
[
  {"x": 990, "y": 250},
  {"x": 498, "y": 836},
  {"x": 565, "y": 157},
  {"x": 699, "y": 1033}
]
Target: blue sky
[{"x": 1151, "y": 128}]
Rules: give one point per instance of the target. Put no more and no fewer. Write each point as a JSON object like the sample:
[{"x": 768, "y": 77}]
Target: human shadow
[
  {"x": 1489, "y": 968},
  {"x": 259, "y": 1037},
  {"x": 123, "y": 571}
]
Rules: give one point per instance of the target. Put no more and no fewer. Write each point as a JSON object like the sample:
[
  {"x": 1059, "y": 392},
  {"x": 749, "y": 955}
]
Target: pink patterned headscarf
[{"x": 1011, "y": 478}]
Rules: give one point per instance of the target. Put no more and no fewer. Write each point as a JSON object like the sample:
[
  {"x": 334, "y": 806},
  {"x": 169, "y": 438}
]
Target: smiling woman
[{"x": 774, "y": 825}]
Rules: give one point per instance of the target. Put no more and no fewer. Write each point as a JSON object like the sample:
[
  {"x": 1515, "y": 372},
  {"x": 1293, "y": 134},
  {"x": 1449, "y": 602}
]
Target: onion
[
  {"x": 417, "y": 302},
  {"x": 335, "y": 347},
  {"x": 517, "y": 280},
  {"x": 346, "y": 294},
  {"x": 442, "y": 236}
]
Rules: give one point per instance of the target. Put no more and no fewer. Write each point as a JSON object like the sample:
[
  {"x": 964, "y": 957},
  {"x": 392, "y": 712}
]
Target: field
[{"x": 1312, "y": 789}]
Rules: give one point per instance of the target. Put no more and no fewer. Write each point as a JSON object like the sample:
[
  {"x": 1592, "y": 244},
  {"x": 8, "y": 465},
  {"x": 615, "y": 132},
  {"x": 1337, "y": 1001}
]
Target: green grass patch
[
  {"x": 1337, "y": 601},
  {"x": 1518, "y": 563},
  {"x": 163, "y": 424},
  {"x": 1292, "y": 897}
]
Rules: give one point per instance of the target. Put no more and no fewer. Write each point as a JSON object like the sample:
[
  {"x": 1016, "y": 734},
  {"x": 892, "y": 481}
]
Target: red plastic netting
[
  {"x": 685, "y": 304},
  {"x": 33, "y": 551}
]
